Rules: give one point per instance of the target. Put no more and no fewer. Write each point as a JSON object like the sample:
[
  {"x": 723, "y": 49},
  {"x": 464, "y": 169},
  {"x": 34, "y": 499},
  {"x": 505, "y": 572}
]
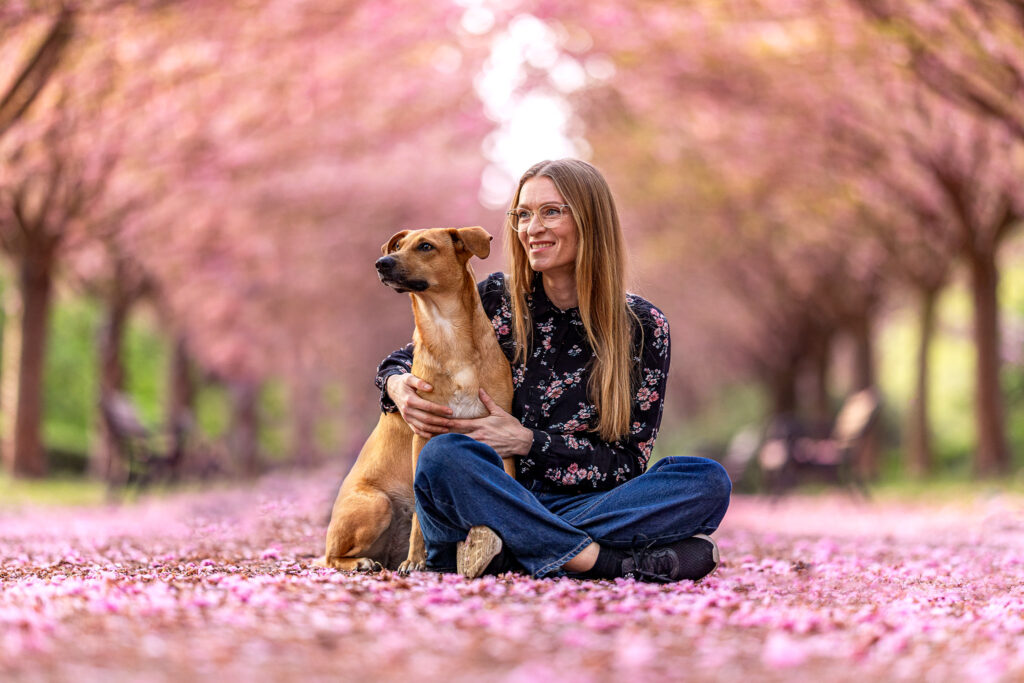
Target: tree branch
[{"x": 34, "y": 76}]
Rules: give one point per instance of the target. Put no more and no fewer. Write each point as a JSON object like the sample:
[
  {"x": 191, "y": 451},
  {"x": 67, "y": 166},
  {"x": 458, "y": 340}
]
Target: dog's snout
[{"x": 386, "y": 264}]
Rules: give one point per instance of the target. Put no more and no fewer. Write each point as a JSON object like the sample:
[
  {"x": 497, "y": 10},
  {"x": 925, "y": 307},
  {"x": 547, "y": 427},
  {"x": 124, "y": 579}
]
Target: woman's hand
[
  {"x": 426, "y": 419},
  {"x": 499, "y": 430}
]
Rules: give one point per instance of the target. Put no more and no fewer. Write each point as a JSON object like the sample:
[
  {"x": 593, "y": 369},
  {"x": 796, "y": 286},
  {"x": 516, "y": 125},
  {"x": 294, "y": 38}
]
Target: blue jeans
[{"x": 460, "y": 483}]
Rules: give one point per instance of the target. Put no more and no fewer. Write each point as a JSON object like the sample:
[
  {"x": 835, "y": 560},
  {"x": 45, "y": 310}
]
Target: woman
[{"x": 590, "y": 363}]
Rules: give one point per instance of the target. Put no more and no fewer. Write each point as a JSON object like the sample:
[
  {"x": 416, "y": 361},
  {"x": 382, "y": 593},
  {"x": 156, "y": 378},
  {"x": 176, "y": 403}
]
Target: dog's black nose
[{"x": 385, "y": 264}]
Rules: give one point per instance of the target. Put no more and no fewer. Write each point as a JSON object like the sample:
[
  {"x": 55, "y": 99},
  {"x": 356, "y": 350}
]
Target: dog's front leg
[{"x": 416, "y": 560}]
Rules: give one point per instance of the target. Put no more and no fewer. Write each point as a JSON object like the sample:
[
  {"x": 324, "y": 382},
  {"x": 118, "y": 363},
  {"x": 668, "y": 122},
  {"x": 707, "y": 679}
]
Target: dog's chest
[{"x": 465, "y": 398}]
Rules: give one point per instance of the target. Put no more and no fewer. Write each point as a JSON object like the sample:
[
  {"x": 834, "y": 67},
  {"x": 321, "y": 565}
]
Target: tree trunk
[
  {"x": 25, "y": 356},
  {"x": 992, "y": 457},
  {"x": 9, "y": 373},
  {"x": 818, "y": 406},
  {"x": 110, "y": 461},
  {"x": 782, "y": 389},
  {"x": 868, "y": 459},
  {"x": 305, "y": 406},
  {"x": 864, "y": 356},
  {"x": 919, "y": 441},
  {"x": 243, "y": 439},
  {"x": 181, "y": 403}
]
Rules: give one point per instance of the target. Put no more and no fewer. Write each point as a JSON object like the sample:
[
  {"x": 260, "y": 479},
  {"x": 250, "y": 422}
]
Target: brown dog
[{"x": 373, "y": 523}]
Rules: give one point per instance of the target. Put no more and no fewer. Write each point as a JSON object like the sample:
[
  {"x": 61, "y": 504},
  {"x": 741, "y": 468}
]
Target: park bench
[
  {"x": 792, "y": 452},
  {"x": 147, "y": 456}
]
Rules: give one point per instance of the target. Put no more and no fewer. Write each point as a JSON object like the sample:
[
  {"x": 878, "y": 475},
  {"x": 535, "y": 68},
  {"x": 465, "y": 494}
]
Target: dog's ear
[
  {"x": 392, "y": 243},
  {"x": 475, "y": 240}
]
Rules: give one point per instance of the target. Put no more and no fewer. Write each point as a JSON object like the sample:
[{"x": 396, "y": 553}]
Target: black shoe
[
  {"x": 691, "y": 558},
  {"x": 483, "y": 553}
]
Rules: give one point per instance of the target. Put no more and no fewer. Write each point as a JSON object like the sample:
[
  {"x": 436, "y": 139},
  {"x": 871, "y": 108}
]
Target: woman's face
[{"x": 551, "y": 250}]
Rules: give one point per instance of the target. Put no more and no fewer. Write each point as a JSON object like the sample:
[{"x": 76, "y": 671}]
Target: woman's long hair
[{"x": 600, "y": 283}]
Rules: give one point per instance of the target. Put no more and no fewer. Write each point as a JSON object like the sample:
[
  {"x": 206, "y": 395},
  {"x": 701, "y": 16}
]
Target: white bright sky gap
[{"x": 531, "y": 127}]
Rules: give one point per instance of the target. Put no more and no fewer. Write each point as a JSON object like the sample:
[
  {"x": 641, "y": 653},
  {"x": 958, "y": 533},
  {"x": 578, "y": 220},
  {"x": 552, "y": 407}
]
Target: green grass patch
[
  {"x": 52, "y": 491},
  {"x": 952, "y": 374},
  {"x": 275, "y": 430},
  {"x": 945, "y": 489}
]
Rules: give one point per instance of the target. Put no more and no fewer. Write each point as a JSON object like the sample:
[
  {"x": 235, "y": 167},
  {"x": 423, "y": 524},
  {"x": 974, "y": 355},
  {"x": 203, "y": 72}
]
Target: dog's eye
[{"x": 426, "y": 246}]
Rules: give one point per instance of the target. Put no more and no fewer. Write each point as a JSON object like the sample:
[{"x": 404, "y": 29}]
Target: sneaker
[
  {"x": 691, "y": 558},
  {"x": 481, "y": 553}
]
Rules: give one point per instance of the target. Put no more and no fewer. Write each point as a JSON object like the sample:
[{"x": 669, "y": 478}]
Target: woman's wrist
[
  {"x": 387, "y": 384},
  {"x": 526, "y": 443}
]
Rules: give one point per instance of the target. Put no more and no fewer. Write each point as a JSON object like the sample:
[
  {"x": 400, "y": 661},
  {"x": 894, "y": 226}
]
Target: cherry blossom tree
[
  {"x": 970, "y": 52},
  {"x": 261, "y": 159},
  {"x": 324, "y": 158},
  {"x": 792, "y": 90},
  {"x": 954, "y": 171},
  {"x": 56, "y": 165}
]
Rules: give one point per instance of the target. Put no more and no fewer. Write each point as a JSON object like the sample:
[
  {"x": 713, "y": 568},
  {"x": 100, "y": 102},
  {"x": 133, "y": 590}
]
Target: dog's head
[{"x": 434, "y": 259}]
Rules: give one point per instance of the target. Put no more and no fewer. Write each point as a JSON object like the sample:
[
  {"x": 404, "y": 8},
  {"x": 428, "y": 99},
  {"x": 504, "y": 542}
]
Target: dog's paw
[
  {"x": 411, "y": 566},
  {"x": 350, "y": 564},
  {"x": 365, "y": 564}
]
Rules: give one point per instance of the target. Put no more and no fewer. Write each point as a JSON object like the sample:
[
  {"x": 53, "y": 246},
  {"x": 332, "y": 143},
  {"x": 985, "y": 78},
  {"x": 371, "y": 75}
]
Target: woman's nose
[{"x": 535, "y": 227}]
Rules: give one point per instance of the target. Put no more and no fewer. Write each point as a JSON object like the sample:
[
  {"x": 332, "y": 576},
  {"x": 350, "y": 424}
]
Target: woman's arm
[
  {"x": 398, "y": 362},
  {"x": 398, "y": 391}
]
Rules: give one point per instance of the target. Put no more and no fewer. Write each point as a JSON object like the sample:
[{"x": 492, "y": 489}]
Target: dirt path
[{"x": 217, "y": 585}]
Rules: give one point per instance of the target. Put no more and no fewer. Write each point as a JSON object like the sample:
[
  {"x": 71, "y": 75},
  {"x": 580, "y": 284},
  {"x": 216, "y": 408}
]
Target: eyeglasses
[{"x": 549, "y": 214}]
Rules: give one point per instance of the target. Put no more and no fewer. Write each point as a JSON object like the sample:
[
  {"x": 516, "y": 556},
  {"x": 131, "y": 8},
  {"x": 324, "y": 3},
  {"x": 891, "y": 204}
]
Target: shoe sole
[
  {"x": 714, "y": 552},
  {"x": 474, "y": 554}
]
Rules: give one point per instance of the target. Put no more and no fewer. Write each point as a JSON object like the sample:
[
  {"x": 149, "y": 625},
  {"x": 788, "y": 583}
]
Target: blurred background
[{"x": 824, "y": 198}]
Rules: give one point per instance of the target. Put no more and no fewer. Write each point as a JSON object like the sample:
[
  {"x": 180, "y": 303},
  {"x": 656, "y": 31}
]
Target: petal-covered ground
[{"x": 219, "y": 585}]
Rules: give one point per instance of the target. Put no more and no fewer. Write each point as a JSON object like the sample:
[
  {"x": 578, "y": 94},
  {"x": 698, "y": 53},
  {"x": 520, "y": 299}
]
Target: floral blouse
[{"x": 551, "y": 393}]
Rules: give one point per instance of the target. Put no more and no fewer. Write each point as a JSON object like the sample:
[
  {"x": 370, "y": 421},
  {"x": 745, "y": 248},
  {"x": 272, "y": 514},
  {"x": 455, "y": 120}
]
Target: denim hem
[
  {"x": 442, "y": 570},
  {"x": 662, "y": 539},
  {"x": 557, "y": 564}
]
